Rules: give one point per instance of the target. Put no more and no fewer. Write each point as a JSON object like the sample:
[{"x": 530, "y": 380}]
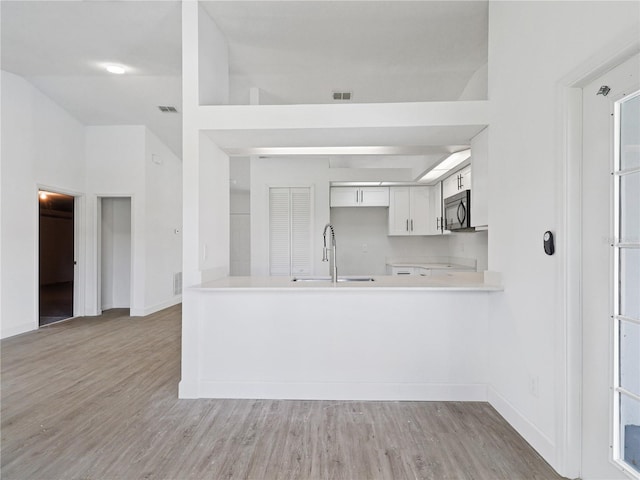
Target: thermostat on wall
[{"x": 549, "y": 248}]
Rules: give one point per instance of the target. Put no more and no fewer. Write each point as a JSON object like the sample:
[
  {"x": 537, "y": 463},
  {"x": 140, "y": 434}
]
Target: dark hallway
[{"x": 56, "y": 249}]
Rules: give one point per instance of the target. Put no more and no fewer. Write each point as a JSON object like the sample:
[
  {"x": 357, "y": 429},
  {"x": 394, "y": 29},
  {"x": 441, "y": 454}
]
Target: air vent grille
[
  {"x": 177, "y": 283},
  {"x": 167, "y": 109},
  {"x": 342, "y": 95}
]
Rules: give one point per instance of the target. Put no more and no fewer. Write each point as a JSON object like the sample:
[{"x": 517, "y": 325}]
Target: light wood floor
[{"x": 96, "y": 398}]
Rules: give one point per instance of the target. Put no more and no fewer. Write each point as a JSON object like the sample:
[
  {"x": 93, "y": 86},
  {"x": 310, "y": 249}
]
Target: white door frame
[
  {"x": 78, "y": 249},
  {"x": 98, "y": 269},
  {"x": 569, "y": 191}
]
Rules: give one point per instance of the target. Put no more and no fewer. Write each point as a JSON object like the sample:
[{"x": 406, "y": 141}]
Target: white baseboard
[
  {"x": 337, "y": 391},
  {"x": 18, "y": 329},
  {"x": 187, "y": 390},
  {"x": 538, "y": 440},
  {"x": 143, "y": 312}
]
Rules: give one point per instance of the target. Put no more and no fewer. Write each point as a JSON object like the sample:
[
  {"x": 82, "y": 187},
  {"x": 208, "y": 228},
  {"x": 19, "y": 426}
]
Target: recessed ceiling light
[{"x": 117, "y": 69}]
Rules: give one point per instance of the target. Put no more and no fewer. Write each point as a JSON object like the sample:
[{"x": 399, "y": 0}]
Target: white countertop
[
  {"x": 433, "y": 263},
  {"x": 454, "y": 281},
  {"x": 432, "y": 266}
]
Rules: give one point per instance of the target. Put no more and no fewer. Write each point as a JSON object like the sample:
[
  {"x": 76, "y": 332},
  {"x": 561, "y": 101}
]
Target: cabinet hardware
[
  {"x": 357, "y": 195},
  {"x": 361, "y": 196},
  {"x": 407, "y": 224},
  {"x": 412, "y": 224}
]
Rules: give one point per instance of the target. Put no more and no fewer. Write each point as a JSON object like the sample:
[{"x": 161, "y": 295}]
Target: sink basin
[{"x": 328, "y": 279}]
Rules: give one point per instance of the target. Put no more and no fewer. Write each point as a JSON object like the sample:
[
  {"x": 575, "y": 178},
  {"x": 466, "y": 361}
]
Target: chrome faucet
[{"x": 325, "y": 251}]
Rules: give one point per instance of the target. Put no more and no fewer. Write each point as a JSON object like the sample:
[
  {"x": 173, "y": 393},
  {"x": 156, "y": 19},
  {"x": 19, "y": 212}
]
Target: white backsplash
[
  {"x": 471, "y": 245},
  {"x": 367, "y": 226},
  {"x": 363, "y": 246}
]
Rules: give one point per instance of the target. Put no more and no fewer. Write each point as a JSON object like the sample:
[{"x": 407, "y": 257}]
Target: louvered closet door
[
  {"x": 300, "y": 231},
  {"x": 289, "y": 231},
  {"x": 279, "y": 231}
]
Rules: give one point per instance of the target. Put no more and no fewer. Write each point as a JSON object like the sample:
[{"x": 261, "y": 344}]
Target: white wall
[
  {"x": 338, "y": 344},
  {"x": 162, "y": 224},
  {"x": 115, "y": 271},
  {"x": 240, "y": 233},
  {"x": 360, "y": 226},
  {"x": 476, "y": 88},
  {"x": 213, "y": 62},
  {"x": 287, "y": 172},
  {"x": 131, "y": 161},
  {"x": 532, "y": 47},
  {"x": 213, "y": 188},
  {"x": 41, "y": 145},
  {"x": 115, "y": 167}
]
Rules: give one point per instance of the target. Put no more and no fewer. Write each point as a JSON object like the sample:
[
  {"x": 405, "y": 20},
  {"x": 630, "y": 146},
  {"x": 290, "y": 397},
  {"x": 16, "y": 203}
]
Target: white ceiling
[
  {"x": 62, "y": 46},
  {"x": 294, "y": 51}
]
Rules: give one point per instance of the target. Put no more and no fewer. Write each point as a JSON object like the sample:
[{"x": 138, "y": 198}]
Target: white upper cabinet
[
  {"x": 412, "y": 211},
  {"x": 457, "y": 182},
  {"x": 359, "y": 196},
  {"x": 436, "y": 226},
  {"x": 480, "y": 179}
]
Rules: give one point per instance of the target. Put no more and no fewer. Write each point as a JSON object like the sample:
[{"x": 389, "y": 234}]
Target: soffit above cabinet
[
  {"x": 354, "y": 141},
  {"x": 371, "y": 129}
]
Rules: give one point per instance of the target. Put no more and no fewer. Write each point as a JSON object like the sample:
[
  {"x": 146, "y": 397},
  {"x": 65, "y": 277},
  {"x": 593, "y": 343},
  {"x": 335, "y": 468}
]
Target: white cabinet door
[
  {"x": 344, "y": 196},
  {"x": 359, "y": 197},
  {"x": 374, "y": 196},
  {"x": 420, "y": 211},
  {"x": 465, "y": 178},
  {"x": 402, "y": 271},
  {"x": 435, "y": 211},
  {"x": 449, "y": 186},
  {"x": 480, "y": 179},
  {"x": 457, "y": 182},
  {"x": 414, "y": 210},
  {"x": 399, "y": 206},
  {"x": 422, "y": 272}
]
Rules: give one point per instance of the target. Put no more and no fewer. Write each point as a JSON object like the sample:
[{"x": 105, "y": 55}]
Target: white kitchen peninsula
[{"x": 396, "y": 338}]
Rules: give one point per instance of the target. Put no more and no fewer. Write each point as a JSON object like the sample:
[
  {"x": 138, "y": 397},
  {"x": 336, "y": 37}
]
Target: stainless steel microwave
[{"x": 457, "y": 212}]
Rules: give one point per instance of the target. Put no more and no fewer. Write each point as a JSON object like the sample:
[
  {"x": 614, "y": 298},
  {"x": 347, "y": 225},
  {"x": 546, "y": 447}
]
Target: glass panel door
[{"x": 626, "y": 255}]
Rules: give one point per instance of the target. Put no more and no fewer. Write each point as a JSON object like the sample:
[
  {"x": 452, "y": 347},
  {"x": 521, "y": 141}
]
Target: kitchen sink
[{"x": 328, "y": 279}]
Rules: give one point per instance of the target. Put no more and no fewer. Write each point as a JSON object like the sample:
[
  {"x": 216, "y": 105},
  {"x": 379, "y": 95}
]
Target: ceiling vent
[
  {"x": 167, "y": 109},
  {"x": 342, "y": 95}
]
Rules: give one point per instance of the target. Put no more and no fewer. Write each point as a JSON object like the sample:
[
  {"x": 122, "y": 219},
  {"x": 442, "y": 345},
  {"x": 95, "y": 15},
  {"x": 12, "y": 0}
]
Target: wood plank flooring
[{"x": 96, "y": 398}]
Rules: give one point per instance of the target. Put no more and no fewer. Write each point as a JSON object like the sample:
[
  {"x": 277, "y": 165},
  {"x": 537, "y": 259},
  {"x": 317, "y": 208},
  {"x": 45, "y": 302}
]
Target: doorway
[
  {"x": 610, "y": 332},
  {"x": 115, "y": 253},
  {"x": 56, "y": 256}
]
